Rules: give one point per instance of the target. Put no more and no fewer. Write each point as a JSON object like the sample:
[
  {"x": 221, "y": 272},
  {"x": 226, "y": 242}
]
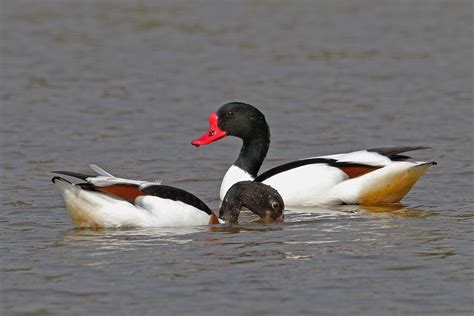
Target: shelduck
[
  {"x": 104, "y": 200},
  {"x": 367, "y": 177}
]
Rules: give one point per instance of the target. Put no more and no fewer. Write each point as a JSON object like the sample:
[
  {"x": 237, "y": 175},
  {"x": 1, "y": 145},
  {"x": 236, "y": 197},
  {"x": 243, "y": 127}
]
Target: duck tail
[{"x": 390, "y": 184}]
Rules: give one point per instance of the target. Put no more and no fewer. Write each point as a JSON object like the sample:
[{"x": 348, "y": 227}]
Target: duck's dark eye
[
  {"x": 275, "y": 205},
  {"x": 230, "y": 113},
  {"x": 211, "y": 133}
]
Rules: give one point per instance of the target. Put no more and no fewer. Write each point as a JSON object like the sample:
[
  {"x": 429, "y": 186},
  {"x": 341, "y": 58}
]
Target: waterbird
[
  {"x": 367, "y": 177},
  {"x": 106, "y": 201}
]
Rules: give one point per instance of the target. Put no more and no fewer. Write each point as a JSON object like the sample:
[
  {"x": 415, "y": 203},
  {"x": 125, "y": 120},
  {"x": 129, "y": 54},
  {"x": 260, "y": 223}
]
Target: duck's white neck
[{"x": 233, "y": 175}]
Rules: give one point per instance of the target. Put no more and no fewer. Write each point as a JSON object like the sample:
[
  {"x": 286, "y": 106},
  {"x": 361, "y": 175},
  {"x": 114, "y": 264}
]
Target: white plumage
[
  {"x": 320, "y": 183},
  {"x": 95, "y": 209}
]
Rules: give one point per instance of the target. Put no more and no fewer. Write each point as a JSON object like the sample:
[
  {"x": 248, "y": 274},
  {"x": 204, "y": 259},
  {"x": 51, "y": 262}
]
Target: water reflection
[
  {"x": 119, "y": 239},
  {"x": 355, "y": 210},
  {"x": 395, "y": 210},
  {"x": 233, "y": 229},
  {"x": 248, "y": 223}
]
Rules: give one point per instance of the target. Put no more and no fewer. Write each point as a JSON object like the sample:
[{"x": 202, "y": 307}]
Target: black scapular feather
[
  {"x": 393, "y": 152},
  {"x": 74, "y": 174}
]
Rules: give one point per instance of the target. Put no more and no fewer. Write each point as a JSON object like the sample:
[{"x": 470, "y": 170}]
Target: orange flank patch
[
  {"x": 125, "y": 191},
  {"x": 393, "y": 188},
  {"x": 213, "y": 219},
  {"x": 357, "y": 171},
  {"x": 82, "y": 219}
]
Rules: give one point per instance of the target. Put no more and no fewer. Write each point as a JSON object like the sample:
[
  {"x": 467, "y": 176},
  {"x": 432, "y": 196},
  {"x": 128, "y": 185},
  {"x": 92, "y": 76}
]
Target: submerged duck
[
  {"x": 104, "y": 200},
  {"x": 368, "y": 177}
]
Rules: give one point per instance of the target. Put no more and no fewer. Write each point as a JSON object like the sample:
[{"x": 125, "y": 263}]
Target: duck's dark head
[
  {"x": 235, "y": 119},
  {"x": 259, "y": 198}
]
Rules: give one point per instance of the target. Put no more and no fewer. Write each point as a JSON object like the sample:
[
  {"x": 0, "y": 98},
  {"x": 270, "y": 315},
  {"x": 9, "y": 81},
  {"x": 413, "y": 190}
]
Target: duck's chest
[{"x": 233, "y": 175}]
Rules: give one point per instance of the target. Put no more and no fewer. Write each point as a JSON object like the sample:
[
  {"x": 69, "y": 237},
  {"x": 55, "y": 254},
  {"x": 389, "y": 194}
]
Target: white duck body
[
  {"x": 95, "y": 209},
  {"x": 322, "y": 183}
]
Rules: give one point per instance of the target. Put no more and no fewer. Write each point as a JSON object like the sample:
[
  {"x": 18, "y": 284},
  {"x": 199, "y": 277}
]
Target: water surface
[{"x": 128, "y": 85}]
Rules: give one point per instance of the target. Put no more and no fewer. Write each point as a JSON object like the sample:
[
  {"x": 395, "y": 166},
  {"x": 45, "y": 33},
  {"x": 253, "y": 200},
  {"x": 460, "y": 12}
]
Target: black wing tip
[
  {"x": 431, "y": 163},
  {"x": 84, "y": 186},
  {"x": 74, "y": 174},
  {"x": 420, "y": 147},
  {"x": 394, "y": 152},
  {"x": 399, "y": 149},
  {"x": 56, "y": 178}
]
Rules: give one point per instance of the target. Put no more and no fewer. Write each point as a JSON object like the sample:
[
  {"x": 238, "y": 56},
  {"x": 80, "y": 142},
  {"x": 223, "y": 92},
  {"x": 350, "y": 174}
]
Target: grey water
[{"x": 128, "y": 84}]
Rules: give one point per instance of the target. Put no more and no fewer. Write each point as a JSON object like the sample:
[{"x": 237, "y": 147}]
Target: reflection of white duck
[
  {"x": 107, "y": 201},
  {"x": 368, "y": 177}
]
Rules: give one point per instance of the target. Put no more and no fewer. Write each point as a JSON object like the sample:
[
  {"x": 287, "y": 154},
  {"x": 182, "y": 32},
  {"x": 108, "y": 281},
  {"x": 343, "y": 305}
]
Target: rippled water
[{"x": 128, "y": 85}]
